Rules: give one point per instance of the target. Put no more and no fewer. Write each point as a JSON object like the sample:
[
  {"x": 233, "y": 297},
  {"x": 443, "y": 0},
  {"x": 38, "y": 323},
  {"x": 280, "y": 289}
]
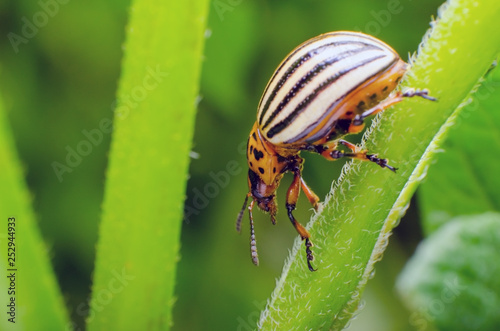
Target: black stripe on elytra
[
  {"x": 293, "y": 67},
  {"x": 332, "y": 106},
  {"x": 308, "y": 99},
  {"x": 304, "y": 80}
]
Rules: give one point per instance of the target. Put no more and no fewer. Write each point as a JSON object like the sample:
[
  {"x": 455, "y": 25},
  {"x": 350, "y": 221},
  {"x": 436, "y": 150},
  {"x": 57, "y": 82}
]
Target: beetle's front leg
[
  {"x": 291, "y": 200},
  {"x": 330, "y": 152},
  {"x": 311, "y": 196}
]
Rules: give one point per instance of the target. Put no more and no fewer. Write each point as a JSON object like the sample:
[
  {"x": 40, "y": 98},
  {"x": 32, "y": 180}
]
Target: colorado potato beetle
[{"x": 322, "y": 91}]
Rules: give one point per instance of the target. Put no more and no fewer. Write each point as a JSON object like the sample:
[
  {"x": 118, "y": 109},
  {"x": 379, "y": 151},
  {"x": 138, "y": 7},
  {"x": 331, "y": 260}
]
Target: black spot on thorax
[{"x": 257, "y": 154}]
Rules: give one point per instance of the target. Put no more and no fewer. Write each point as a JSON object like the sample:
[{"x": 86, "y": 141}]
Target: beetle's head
[
  {"x": 266, "y": 168},
  {"x": 262, "y": 194}
]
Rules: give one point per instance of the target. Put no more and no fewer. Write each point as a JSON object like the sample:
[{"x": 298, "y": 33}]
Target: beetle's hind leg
[
  {"x": 330, "y": 150},
  {"x": 358, "y": 121}
]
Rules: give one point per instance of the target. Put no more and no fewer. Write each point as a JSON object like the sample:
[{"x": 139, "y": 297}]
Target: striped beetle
[{"x": 322, "y": 91}]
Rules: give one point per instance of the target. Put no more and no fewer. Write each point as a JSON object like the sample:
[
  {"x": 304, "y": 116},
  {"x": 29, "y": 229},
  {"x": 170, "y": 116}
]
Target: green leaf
[
  {"x": 38, "y": 302},
  {"x": 351, "y": 232},
  {"x": 452, "y": 280},
  {"x": 464, "y": 179},
  {"x": 145, "y": 187}
]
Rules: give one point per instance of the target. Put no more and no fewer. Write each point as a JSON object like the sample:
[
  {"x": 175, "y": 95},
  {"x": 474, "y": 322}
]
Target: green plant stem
[
  {"x": 145, "y": 186},
  {"x": 352, "y": 231},
  {"x": 38, "y": 302}
]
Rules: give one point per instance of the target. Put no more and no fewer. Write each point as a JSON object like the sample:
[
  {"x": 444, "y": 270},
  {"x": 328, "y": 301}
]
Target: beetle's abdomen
[{"x": 310, "y": 86}]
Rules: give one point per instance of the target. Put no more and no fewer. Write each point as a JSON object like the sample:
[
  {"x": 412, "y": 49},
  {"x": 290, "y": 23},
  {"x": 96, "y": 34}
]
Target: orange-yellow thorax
[{"x": 263, "y": 159}]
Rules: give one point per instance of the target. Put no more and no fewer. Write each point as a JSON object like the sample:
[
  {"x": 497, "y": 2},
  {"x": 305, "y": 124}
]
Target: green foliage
[
  {"x": 351, "y": 232},
  {"x": 153, "y": 127},
  {"x": 472, "y": 187},
  {"x": 452, "y": 280}
]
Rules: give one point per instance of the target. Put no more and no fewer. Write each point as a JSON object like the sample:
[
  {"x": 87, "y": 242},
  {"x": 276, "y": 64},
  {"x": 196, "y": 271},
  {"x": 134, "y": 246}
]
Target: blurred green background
[{"x": 60, "y": 83}]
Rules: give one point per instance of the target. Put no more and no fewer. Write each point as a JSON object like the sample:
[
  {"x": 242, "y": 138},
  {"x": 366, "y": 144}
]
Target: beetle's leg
[
  {"x": 273, "y": 216},
  {"x": 291, "y": 200},
  {"x": 357, "y": 123},
  {"x": 253, "y": 242},
  {"x": 311, "y": 196},
  {"x": 330, "y": 149},
  {"x": 359, "y": 154},
  {"x": 330, "y": 152}
]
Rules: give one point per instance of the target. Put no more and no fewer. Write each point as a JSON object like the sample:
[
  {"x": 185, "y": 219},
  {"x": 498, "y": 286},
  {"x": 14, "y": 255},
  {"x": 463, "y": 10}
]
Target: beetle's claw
[
  {"x": 309, "y": 253},
  {"x": 424, "y": 93},
  {"x": 381, "y": 162}
]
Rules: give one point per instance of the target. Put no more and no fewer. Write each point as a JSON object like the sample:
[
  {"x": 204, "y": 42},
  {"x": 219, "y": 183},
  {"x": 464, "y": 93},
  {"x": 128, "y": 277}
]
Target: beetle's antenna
[
  {"x": 240, "y": 214},
  {"x": 253, "y": 242}
]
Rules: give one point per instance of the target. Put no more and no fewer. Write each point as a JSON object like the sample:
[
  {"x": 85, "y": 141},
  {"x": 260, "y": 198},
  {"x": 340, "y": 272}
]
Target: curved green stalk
[
  {"x": 153, "y": 127},
  {"x": 29, "y": 293},
  {"x": 352, "y": 231}
]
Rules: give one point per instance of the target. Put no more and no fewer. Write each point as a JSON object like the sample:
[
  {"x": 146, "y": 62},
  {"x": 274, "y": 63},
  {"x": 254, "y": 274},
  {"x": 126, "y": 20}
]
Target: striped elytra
[
  {"x": 321, "y": 92},
  {"x": 313, "y": 81}
]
